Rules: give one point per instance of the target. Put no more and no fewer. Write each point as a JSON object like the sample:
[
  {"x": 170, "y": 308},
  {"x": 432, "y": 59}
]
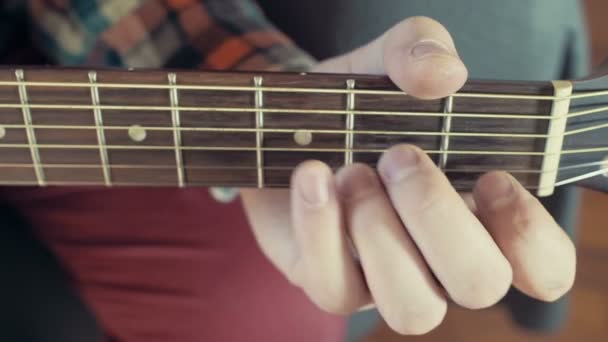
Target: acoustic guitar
[{"x": 109, "y": 127}]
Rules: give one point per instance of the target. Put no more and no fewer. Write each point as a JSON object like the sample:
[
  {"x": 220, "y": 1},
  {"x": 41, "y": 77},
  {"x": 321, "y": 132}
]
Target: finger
[
  {"x": 325, "y": 267},
  {"x": 402, "y": 286},
  {"x": 269, "y": 214},
  {"x": 469, "y": 201},
  {"x": 418, "y": 55},
  {"x": 459, "y": 250},
  {"x": 542, "y": 256}
]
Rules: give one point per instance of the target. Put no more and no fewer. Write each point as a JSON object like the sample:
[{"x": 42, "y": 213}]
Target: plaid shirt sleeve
[{"x": 209, "y": 34}]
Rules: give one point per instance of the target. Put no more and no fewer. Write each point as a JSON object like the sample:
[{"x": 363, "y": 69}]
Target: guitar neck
[{"x": 191, "y": 128}]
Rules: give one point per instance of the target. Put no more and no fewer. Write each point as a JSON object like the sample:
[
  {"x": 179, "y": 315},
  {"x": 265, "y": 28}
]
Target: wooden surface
[{"x": 588, "y": 318}]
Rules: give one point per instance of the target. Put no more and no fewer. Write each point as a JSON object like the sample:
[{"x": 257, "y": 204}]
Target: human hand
[{"x": 417, "y": 242}]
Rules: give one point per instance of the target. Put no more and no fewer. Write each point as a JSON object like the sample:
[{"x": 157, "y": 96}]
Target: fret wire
[
  {"x": 285, "y": 111},
  {"x": 177, "y": 136},
  {"x": 288, "y": 149},
  {"x": 278, "y": 89},
  {"x": 259, "y": 124},
  {"x": 350, "y": 122},
  {"x": 101, "y": 139},
  {"x": 447, "y": 127},
  {"x": 291, "y": 131},
  {"x": 27, "y": 121}
]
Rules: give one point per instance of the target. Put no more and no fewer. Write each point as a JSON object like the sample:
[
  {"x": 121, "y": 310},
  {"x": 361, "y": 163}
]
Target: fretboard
[{"x": 191, "y": 128}]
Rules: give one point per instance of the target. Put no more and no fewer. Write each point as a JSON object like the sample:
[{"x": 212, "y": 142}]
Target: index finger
[{"x": 418, "y": 54}]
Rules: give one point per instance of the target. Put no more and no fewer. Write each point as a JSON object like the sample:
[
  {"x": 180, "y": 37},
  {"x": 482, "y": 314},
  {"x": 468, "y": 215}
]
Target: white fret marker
[
  {"x": 259, "y": 125},
  {"x": 605, "y": 167},
  {"x": 555, "y": 140},
  {"x": 101, "y": 138},
  {"x": 31, "y": 133},
  {"x": 302, "y": 138},
  {"x": 177, "y": 135},
  {"x": 137, "y": 133},
  {"x": 350, "y": 122},
  {"x": 446, "y": 129},
  {"x": 2, "y": 132}
]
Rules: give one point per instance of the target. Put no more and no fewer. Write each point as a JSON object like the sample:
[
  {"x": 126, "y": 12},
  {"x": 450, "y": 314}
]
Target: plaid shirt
[{"x": 211, "y": 34}]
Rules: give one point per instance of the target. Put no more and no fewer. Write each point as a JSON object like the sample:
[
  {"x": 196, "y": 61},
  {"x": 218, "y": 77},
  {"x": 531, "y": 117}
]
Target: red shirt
[
  {"x": 171, "y": 265},
  {"x": 167, "y": 264}
]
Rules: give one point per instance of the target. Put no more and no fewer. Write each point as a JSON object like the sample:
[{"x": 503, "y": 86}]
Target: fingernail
[
  {"x": 355, "y": 181},
  {"x": 499, "y": 190},
  {"x": 314, "y": 184},
  {"x": 398, "y": 162},
  {"x": 427, "y": 48}
]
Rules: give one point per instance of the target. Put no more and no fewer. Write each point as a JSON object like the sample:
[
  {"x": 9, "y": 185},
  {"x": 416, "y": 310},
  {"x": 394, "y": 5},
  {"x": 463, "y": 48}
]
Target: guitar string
[
  {"x": 289, "y": 149},
  {"x": 461, "y": 187},
  {"x": 269, "y": 89},
  {"x": 602, "y": 171},
  {"x": 580, "y": 95},
  {"x": 571, "y": 180},
  {"x": 318, "y": 131},
  {"x": 299, "y": 111}
]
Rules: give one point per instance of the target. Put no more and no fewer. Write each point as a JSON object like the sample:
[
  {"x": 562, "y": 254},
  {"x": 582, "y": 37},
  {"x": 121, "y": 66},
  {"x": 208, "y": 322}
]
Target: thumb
[{"x": 418, "y": 55}]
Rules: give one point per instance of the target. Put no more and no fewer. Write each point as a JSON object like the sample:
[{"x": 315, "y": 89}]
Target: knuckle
[
  {"x": 483, "y": 288},
  {"x": 420, "y": 321}
]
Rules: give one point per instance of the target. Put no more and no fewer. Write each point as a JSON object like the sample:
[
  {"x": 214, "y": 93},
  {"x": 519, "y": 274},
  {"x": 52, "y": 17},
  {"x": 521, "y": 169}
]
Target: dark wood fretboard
[{"x": 163, "y": 128}]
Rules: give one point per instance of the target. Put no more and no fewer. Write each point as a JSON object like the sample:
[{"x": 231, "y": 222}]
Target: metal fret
[
  {"x": 447, "y": 127},
  {"x": 259, "y": 125},
  {"x": 350, "y": 122},
  {"x": 31, "y": 133},
  {"x": 101, "y": 138},
  {"x": 555, "y": 140},
  {"x": 177, "y": 135}
]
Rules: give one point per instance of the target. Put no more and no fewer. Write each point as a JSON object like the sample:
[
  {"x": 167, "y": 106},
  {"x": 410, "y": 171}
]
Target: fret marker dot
[
  {"x": 605, "y": 166},
  {"x": 302, "y": 138},
  {"x": 137, "y": 133},
  {"x": 2, "y": 132}
]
